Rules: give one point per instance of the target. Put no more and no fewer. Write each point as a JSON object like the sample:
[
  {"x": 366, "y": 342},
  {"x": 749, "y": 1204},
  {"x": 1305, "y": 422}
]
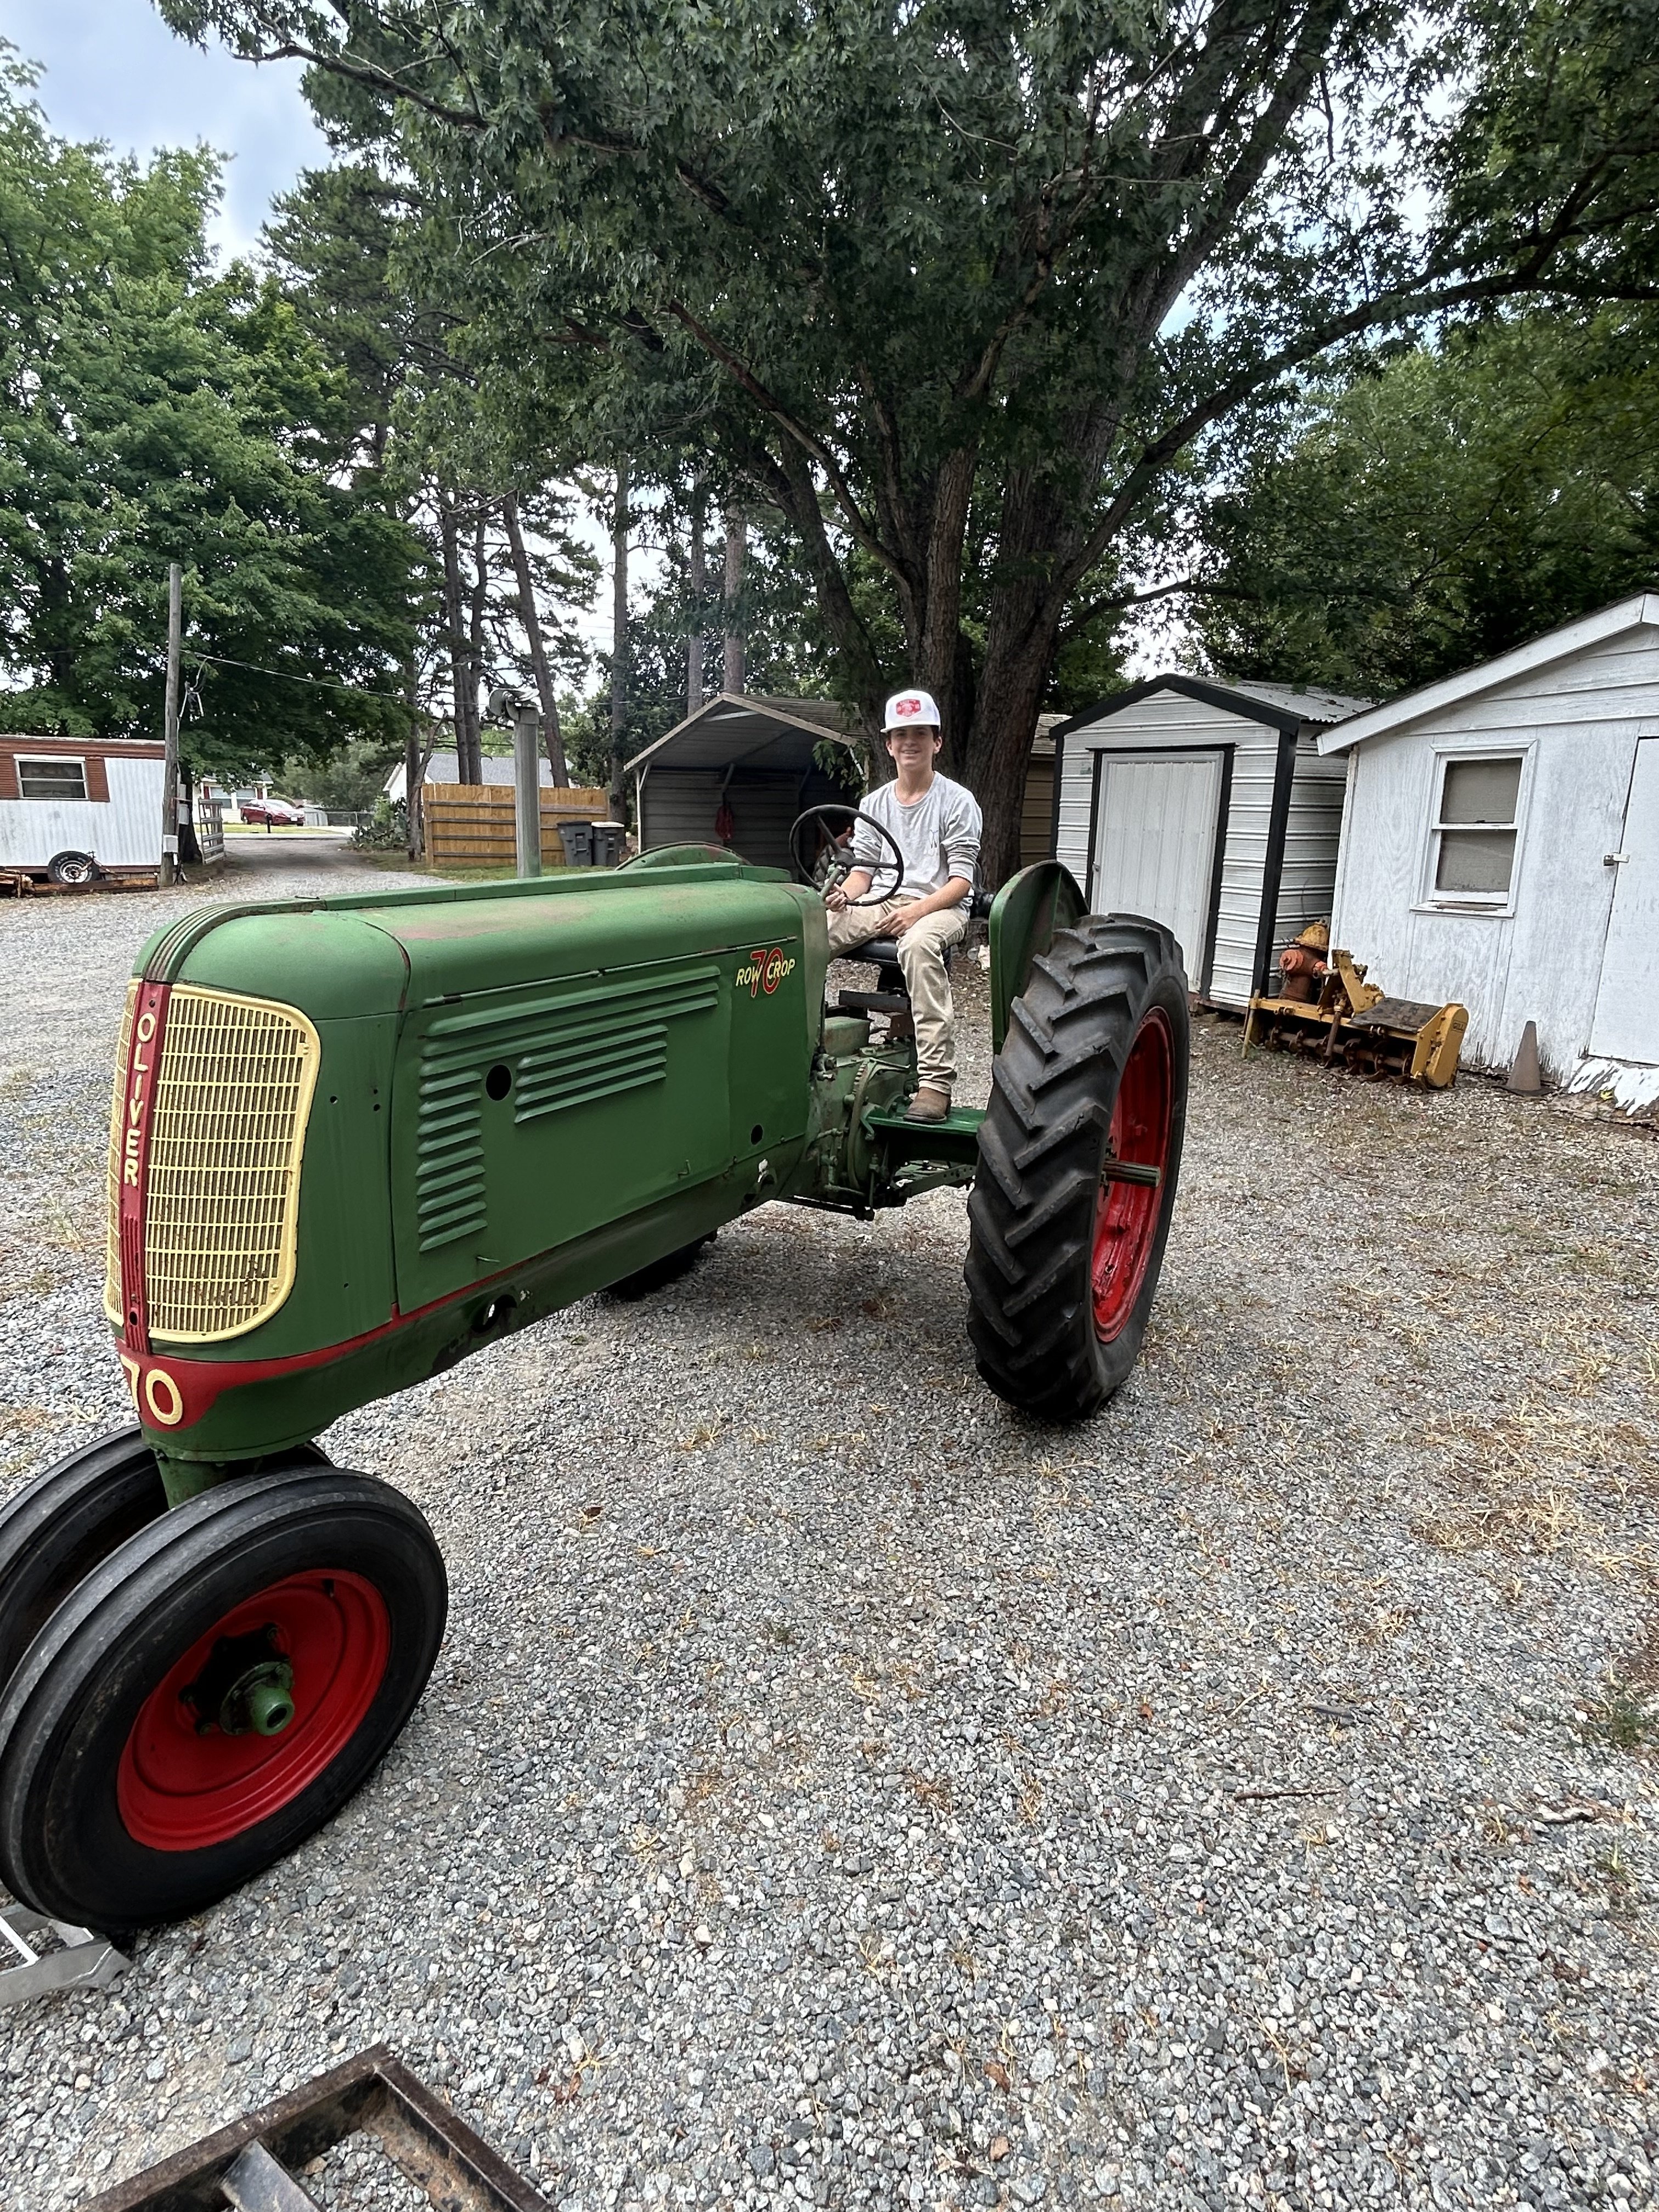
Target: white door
[
  {"x": 1155, "y": 844},
  {"x": 1626, "y": 1025}
]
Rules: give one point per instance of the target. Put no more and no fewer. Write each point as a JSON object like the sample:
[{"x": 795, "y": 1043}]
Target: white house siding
[
  {"x": 1541, "y": 960},
  {"x": 124, "y": 831},
  {"x": 1168, "y": 720}
]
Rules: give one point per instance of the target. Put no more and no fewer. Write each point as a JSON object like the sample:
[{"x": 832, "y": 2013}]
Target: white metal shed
[
  {"x": 1209, "y": 807},
  {"x": 1500, "y": 846}
]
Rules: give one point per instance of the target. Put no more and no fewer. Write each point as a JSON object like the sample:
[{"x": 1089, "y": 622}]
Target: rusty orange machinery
[{"x": 1325, "y": 1006}]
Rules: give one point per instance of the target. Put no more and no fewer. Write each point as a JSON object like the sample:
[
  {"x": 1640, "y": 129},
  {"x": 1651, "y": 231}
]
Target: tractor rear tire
[
  {"x": 149, "y": 1762},
  {"x": 69, "y": 1520},
  {"x": 1063, "y": 1259},
  {"x": 658, "y": 1275}
]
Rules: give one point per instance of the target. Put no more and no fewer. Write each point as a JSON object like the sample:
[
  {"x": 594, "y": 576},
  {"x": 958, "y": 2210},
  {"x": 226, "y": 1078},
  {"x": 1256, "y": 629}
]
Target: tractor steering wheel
[{"x": 843, "y": 863}]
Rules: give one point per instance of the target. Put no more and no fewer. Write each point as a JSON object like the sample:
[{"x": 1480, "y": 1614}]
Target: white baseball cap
[{"x": 909, "y": 710}]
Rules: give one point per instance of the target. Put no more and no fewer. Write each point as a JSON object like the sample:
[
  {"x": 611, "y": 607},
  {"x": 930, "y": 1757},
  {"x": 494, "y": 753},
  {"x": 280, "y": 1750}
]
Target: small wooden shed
[
  {"x": 737, "y": 772},
  {"x": 1500, "y": 846},
  {"x": 1209, "y": 807}
]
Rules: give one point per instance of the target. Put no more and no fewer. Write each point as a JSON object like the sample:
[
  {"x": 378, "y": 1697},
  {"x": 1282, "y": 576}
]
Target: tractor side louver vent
[{"x": 587, "y": 1045}]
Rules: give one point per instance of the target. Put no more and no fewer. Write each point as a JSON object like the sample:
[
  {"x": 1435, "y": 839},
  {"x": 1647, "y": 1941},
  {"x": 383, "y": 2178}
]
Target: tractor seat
[{"x": 890, "y": 995}]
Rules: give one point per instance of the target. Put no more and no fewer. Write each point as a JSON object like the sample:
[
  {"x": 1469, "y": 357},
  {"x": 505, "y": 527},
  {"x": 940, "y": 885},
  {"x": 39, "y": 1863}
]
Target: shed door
[
  {"x": 1155, "y": 844},
  {"x": 1627, "y": 1025}
]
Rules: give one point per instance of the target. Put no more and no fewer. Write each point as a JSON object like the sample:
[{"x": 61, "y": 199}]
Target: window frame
[
  {"x": 1430, "y": 898},
  {"x": 21, "y": 762}
]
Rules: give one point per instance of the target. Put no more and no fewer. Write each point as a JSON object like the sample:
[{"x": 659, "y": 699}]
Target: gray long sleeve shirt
[{"x": 939, "y": 834}]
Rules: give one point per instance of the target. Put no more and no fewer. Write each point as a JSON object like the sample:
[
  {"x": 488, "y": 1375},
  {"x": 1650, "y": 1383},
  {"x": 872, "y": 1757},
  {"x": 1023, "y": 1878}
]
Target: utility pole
[
  {"x": 619, "y": 644},
  {"x": 169, "y": 868},
  {"x": 527, "y": 786},
  {"x": 731, "y": 670},
  {"x": 699, "y": 581}
]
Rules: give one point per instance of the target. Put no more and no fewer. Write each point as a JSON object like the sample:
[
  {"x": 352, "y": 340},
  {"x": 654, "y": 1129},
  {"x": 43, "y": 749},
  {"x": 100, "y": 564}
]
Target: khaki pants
[{"x": 922, "y": 951}]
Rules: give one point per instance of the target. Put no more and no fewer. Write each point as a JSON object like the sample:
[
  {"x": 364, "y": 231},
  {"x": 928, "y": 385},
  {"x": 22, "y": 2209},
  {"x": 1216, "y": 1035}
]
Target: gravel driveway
[{"x": 837, "y": 1788}]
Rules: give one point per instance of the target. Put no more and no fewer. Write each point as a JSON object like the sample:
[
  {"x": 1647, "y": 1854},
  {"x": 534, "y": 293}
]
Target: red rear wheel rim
[
  {"x": 1126, "y": 1213},
  {"x": 181, "y": 1788}
]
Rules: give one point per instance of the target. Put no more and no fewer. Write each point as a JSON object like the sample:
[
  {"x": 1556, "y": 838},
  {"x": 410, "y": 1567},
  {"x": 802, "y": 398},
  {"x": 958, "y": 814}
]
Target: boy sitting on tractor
[{"x": 937, "y": 825}]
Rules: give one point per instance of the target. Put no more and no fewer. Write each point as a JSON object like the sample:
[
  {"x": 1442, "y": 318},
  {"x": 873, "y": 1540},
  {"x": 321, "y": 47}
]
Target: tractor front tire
[
  {"x": 212, "y": 1693},
  {"x": 1064, "y": 1254},
  {"x": 69, "y": 1520}
]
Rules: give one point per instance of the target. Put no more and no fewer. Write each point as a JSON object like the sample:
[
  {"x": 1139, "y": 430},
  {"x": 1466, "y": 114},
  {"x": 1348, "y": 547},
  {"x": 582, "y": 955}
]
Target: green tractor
[{"x": 352, "y": 1141}]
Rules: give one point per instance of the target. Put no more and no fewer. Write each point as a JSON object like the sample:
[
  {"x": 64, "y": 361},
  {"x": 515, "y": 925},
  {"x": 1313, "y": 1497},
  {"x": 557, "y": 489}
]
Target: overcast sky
[{"x": 114, "y": 70}]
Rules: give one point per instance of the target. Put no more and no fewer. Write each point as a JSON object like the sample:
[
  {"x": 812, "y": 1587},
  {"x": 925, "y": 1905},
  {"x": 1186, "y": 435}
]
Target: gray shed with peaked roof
[
  {"x": 1209, "y": 807},
  {"x": 737, "y": 772}
]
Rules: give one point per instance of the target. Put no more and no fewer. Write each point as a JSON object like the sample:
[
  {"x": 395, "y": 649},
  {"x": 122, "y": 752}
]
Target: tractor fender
[{"x": 1025, "y": 915}]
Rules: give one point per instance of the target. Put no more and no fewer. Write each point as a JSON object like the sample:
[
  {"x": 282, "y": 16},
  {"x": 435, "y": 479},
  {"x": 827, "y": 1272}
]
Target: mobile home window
[
  {"x": 52, "y": 779},
  {"x": 1474, "y": 828}
]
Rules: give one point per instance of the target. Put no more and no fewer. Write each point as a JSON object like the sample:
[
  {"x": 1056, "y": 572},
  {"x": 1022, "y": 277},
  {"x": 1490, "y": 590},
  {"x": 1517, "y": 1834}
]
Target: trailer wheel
[
  {"x": 1063, "y": 1255},
  {"x": 69, "y": 1520},
  {"x": 71, "y": 868},
  {"x": 212, "y": 1693},
  {"x": 658, "y": 1273}
]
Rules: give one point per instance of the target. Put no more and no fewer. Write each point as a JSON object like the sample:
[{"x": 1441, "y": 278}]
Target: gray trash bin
[
  {"x": 577, "y": 843},
  {"x": 608, "y": 843}
]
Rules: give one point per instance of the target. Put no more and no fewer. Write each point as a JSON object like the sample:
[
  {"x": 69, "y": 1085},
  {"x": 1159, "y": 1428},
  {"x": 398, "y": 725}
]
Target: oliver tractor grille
[
  {"x": 222, "y": 1188},
  {"x": 567, "y": 1052}
]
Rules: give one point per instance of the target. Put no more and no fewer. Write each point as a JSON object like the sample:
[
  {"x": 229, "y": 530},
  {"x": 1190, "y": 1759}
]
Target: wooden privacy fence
[{"x": 471, "y": 824}]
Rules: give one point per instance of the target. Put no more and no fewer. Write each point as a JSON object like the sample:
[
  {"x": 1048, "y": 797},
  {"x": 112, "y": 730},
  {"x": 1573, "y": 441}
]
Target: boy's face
[{"x": 912, "y": 744}]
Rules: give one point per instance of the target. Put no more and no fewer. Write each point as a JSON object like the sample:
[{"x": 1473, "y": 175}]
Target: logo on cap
[{"x": 907, "y": 707}]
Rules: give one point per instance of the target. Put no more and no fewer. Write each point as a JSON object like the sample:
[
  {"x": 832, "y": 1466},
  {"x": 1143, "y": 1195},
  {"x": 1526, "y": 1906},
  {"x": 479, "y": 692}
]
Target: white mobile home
[
  {"x": 73, "y": 807},
  {"x": 1210, "y": 808},
  {"x": 1500, "y": 846}
]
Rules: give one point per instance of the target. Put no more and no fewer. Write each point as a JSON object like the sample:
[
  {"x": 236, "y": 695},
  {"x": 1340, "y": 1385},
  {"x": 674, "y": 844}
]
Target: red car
[{"x": 279, "y": 813}]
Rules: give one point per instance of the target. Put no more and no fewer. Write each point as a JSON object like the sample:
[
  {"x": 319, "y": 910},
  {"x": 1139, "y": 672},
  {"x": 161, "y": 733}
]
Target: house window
[
  {"x": 1474, "y": 830},
  {"x": 52, "y": 779}
]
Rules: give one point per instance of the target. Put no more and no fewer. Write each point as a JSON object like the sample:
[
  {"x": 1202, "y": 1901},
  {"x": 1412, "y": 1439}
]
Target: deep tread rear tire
[
  {"x": 69, "y": 1711},
  {"x": 1031, "y": 1315}
]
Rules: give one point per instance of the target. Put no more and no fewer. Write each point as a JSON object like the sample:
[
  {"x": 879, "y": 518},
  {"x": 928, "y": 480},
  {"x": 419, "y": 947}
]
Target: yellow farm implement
[{"x": 1344, "y": 1019}]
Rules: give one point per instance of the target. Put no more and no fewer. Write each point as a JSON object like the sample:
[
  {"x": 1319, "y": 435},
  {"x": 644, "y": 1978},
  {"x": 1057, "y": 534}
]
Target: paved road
[{"x": 266, "y": 857}]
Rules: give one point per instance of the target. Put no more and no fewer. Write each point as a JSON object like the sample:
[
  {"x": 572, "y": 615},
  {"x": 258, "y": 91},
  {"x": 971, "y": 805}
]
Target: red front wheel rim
[
  {"x": 1126, "y": 1213},
  {"x": 183, "y": 1783}
]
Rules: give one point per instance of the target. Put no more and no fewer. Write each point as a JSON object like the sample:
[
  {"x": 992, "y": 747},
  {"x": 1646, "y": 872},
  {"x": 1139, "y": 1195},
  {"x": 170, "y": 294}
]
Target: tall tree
[
  {"x": 1440, "y": 506},
  {"x": 932, "y": 278},
  {"x": 152, "y": 410}
]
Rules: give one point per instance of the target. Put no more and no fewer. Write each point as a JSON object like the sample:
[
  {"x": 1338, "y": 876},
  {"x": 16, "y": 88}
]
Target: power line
[{"x": 286, "y": 675}]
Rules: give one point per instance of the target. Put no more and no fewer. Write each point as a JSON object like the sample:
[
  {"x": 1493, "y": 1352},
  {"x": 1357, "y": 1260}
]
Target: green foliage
[
  {"x": 386, "y": 830},
  {"x": 1443, "y": 506},
  {"x": 349, "y": 782},
  {"x": 149, "y": 411}
]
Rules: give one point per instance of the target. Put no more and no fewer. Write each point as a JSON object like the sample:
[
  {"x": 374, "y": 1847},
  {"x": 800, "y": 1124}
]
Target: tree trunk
[
  {"x": 698, "y": 568},
  {"x": 412, "y": 768},
  {"x": 732, "y": 657},
  {"x": 463, "y": 687},
  {"x": 619, "y": 645},
  {"x": 1021, "y": 636},
  {"x": 529, "y": 616},
  {"x": 475, "y": 638}
]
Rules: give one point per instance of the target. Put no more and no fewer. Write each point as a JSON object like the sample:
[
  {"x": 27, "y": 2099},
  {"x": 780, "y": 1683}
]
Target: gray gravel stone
[{"x": 837, "y": 1789}]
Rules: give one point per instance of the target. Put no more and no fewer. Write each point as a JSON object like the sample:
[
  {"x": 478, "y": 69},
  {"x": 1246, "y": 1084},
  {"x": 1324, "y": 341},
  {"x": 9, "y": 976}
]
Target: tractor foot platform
[{"x": 953, "y": 1142}]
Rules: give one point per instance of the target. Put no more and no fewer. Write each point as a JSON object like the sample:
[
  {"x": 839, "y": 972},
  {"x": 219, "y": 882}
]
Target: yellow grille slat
[
  {"x": 232, "y": 1097},
  {"x": 117, "y": 1123}
]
